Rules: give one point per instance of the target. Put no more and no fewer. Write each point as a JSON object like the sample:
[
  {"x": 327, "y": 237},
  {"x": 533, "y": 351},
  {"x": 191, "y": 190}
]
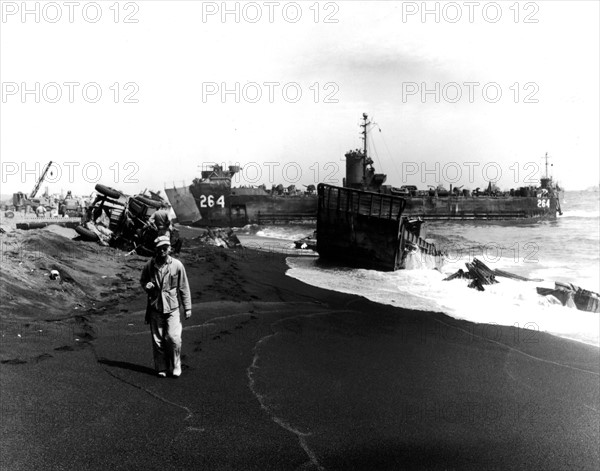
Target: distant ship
[
  {"x": 593, "y": 189},
  {"x": 541, "y": 202},
  {"x": 212, "y": 201}
]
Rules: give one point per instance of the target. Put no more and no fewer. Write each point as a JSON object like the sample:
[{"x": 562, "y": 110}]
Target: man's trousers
[{"x": 166, "y": 340}]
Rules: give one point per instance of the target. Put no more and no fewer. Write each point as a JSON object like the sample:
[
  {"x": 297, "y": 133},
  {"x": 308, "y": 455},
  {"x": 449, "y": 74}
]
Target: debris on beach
[
  {"x": 309, "y": 242},
  {"x": 478, "y": 272},
  {"x": 65, "y": 222},
  {"x": 117, "y": 220},
  {"x": 565, "y": 294},
  {"x": 482, "y": 275},
  {"x": 572, "y": 296},
  {"x": 219, "y": 238}
]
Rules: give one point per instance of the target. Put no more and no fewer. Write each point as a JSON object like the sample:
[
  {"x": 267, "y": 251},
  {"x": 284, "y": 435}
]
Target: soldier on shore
[
  {"x": 165, "y": 281},
  {"x": 161, "y": 220}
]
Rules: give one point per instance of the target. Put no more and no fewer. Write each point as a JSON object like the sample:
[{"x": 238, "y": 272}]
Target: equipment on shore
[
  {"x": 570, "y": 295},
  {"x": 70, "y": 206},
  {"x": 40, "y": 180},
  {"x": 482, "y": 275},
  {"x": 565, "y": 294},
  {"x": 308, "y": 242},
  {"x": 478, "y": 272},
  {"x": 122, "y": 221},
  {"x": 21, "y": 201}
]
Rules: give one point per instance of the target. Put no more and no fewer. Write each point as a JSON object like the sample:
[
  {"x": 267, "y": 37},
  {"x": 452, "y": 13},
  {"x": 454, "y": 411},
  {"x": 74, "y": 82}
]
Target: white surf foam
[{"x": 509, "y": 303}]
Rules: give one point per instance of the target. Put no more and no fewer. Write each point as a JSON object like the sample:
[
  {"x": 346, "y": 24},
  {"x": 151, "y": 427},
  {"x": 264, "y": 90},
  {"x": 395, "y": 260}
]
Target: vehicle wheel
[
  {"x": 149, "y": 202},
  {"x": 9, "y": 214},
  {"x": 86, "y": 234},
  {"x": 108, "y": 191}
]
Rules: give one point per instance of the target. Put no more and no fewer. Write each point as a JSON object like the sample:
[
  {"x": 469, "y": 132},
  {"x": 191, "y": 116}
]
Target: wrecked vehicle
[
  {"x": 123, "y": 221},
  {"x": 70, "y": 206},
  {"x": 571, "y": 296}
]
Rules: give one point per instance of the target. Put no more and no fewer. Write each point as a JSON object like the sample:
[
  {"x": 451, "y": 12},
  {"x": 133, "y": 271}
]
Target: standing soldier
[
  {"x": 161, "y": 220},
  {"x": 165, "y": 281}
]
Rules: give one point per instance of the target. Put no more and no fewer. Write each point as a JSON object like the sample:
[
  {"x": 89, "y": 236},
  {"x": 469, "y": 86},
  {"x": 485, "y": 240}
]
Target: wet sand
[{"x": 277, "y": 375}]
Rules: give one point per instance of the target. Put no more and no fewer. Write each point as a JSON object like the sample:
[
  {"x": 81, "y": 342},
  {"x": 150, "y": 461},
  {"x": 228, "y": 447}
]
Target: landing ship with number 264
[{"x": 211, "y": 201}]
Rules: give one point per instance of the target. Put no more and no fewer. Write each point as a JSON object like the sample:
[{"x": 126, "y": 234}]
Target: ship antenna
[{"x": 364, "y": 133}]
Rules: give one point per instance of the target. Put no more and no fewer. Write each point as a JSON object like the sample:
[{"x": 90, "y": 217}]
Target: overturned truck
[{"x": 123, "y": 221}]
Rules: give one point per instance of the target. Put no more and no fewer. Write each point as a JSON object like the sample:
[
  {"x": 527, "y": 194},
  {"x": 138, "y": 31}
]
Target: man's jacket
[
  {"x": 161, "y": 219},
  {"x": 173, "y": 282}
]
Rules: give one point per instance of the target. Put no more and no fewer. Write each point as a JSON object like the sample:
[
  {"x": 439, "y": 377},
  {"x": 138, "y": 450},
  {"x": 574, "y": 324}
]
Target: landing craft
[
  {"x": 358, "y": 225},
  {"x": 212, "y": 201},
  {"x": 541, "y": 202}
]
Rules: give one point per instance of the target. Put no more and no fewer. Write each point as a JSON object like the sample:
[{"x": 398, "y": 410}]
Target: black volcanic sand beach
[{"x": 278, "y": 375}]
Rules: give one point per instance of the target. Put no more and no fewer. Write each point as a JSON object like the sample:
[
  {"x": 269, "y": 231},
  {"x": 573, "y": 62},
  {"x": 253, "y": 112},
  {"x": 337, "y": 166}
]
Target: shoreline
[
  {"x": 508, "y": 303},
  {"x": 279, "y": 374}
]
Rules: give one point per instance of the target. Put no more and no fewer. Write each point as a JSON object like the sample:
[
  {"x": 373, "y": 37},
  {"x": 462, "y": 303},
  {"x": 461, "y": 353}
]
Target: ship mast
[
  {"x": 546, "y": 180},
  {"x": 364, "y": 138}
]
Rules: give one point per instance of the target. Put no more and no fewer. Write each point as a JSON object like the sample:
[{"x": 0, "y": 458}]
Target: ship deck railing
[
  {"x": 480, "y": 215},
  {"x": 285, "y": 217},
  {"x": 361, "y": 202}
]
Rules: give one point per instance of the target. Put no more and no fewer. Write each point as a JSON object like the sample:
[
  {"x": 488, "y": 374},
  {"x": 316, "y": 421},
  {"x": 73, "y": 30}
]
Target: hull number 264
[
  {"x": 208, "y": 201},
  {"x": 543, "y": 203}
]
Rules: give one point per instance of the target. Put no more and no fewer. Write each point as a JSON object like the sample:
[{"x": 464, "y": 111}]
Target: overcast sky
[{"x": 461, "y": 93}]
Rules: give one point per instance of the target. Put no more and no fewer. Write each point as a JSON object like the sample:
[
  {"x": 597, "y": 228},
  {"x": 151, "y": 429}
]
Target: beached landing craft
[
  {"x": 211, "y": 201},
  {"x": 369, "y": 230},
  {"x": 360, "y": 226}
]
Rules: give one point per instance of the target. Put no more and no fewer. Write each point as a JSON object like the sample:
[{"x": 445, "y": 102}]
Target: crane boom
[{"x": 36, "y": 188}]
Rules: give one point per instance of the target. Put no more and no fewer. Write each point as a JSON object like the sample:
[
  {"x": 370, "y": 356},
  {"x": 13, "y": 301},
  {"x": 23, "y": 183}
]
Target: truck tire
[
  {"x": 108, "y": 191},
  {"x": 149, "y": 202},
  {"x": 86, "y": 234}
]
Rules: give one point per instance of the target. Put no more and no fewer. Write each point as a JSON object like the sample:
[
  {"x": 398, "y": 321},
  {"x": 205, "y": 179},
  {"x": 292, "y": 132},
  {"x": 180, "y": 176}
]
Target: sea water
[{"x": 565, "y": 250}]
